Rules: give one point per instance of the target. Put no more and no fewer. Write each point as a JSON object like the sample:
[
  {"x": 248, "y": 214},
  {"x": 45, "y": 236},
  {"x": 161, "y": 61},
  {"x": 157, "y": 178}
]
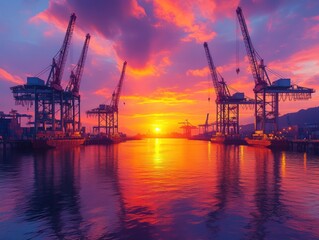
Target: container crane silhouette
[
  {"x": 108, "y": 114},
  {"x": 187, "y": 128},
  {"x": 47, "y": 97},
  {"x": 267, "y": 93},
  {"x": 227, "y": 105},
  {"x": 71, "y": 94}
]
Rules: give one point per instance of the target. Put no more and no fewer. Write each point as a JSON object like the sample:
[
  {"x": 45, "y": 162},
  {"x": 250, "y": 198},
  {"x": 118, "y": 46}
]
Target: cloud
[
  {"x": 9, "y": 77},
  {"x": 137, "y": 37},
  {"x": 181, "y": 13},
  {"x": 140, "y": 31},
  {"x": 313, "y": 30},
  {"x": 163, "y": 96},
  {"x": 105, "y": 92},
  {"x": 203, "y": 72},
  {"x": 303, "y": 63},
  {"x": 156, "y": 115}
]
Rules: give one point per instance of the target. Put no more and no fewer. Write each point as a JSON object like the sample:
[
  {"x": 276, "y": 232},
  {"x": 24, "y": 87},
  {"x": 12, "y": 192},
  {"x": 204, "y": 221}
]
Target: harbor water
[{"x": 159, "y": 189}]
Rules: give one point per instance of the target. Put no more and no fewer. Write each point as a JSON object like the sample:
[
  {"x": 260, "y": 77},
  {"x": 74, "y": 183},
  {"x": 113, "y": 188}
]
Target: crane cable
[
  {"x": 209, "y": 89},
  {"x": 48, "y": 67},
  {"x": 237, "y": 48}
]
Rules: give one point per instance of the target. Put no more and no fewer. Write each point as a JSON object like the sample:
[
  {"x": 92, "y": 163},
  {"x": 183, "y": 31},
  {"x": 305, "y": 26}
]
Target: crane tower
[
  {"x": 71, "y": 95},
  {"x": 227, "y": 105},
  {"x": 49, "y": 99},
  {"x": 267, "y": 93},
  {"x": 108, "y": 114}
]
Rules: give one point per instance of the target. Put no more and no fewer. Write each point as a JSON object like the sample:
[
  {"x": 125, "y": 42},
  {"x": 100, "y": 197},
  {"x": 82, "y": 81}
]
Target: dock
[{"x": 305, "y": 145}]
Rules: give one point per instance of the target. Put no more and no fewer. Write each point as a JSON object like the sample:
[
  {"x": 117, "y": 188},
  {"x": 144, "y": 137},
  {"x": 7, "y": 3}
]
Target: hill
[{"x": 300, "y": 118}]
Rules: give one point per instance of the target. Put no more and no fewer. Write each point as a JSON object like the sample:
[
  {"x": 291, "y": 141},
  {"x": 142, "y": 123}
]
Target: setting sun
[{"x": 157, "y": 129}]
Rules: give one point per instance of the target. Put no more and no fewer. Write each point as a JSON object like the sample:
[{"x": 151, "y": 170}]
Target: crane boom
[
  {"x": 221, "y": 88},
  {"x": 258, "y": 69},
  {"x": 117, "y": 93},
  {"x": 76, "y": 74},
  {"x": 58, "y": 64}
]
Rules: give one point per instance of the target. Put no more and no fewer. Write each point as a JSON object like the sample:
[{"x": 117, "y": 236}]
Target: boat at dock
[
  {"x": 103, "y": 139},
  {"x": 227, "y": 139},
  {"x": 201, "y": 137},
  {"x": 272, "y": 141},
  {"x": 50, "y": 141},
  {"x": 57, "y": 142}
]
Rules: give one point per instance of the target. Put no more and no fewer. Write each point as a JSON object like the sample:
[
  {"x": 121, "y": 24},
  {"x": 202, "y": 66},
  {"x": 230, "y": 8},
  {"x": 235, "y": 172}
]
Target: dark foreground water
[{"x": 159, "y": 189}]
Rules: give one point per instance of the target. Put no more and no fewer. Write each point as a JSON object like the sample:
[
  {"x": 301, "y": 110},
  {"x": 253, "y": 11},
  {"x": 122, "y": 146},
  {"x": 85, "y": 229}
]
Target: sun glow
[{"x": 157, "y": 129}]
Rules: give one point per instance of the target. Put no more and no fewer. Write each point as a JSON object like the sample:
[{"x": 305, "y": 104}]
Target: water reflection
[
  {"x": 269, "y": 208},
  {"x": 227, "y": 187},
  {"x": 159, "y": 189},
  {"x": 128, "y": 222},
  {"x": 54, "y": 199}
]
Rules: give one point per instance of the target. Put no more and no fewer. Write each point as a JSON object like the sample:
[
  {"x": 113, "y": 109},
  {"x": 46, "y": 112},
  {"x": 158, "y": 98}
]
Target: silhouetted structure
[
  {"x": 267, "y": 93},
  {"x": 107, "y": 115},
  {"x": 54, "y": 108},
  {"x": 72, "y": 96},
  {"x": 10, "y": 125},
  {"x": 227, "y": 105},
  {"x": 187, "y": 128}
]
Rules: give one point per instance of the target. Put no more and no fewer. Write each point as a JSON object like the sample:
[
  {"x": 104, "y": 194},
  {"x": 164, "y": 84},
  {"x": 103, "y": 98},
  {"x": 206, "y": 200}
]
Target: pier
[
  {"x": 17, "y": 144},
  {"x": 305, "y": 145}
]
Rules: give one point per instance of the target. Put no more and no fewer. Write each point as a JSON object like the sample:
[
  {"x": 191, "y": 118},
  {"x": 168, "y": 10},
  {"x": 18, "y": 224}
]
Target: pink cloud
[
  {"x": 133, "y": 34},
  {"x": 303, "y": 63},
  {"x": 203, "y": 72},
  {"x": 9, "y": 77},
  {"x": 182, "y": 14},
  {"x": 104, "y": 92}
]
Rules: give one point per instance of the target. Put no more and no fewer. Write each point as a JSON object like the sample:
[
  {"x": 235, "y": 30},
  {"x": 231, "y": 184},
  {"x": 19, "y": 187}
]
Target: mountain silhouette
[{"x": 302, "y": 118}]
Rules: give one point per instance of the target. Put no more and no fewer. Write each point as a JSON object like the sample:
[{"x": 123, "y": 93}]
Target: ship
[
  {"x": 44, "y": 141},
  {"x": 233, "y": 139},
  {"x": 201, "y": 137},
  {"x": 260, "y": 139},
  {"x": 103, "y": 139}
]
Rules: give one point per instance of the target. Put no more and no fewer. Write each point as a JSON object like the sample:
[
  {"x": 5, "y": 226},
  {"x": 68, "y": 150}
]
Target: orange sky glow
[{"x": 167, "y": 79}]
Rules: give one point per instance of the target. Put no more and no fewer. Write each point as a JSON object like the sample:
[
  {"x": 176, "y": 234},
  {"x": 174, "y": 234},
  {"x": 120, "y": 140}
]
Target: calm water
[{"x": 159, "y": 189}]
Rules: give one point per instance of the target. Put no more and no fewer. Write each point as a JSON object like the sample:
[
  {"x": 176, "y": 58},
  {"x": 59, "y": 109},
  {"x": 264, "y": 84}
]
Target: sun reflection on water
[
  {"x": 283, "y": 164},
  {"x": 157, "y": 153}
]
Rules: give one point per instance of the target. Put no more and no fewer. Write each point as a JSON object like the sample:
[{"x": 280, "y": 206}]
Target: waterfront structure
[
  {"x": 227, "y": 105},
  {"x": 267, "y": 93},
  {"x": 56, "y": 111},
  {"x": 107, "y": 115}
]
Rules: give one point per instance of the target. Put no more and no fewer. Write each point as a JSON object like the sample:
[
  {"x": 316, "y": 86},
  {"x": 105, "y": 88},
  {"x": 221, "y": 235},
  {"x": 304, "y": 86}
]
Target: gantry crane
[
  {"x": 227, "y": 105},
  {"x": 187, "y": 128},
  {"x": 11, "y": 125},
  {"x": 207, "y": 128},
  {"x": 108, "y": 114},
  {"x": 267, "y": 93},
  {"x": 47, "y": 97},
  {"x": 71, "y": 95},
  {"x": 14, "y": 114}
]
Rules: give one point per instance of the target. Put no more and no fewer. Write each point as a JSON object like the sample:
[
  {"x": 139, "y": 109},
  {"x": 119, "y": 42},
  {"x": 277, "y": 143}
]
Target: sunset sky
[{"x": 167, "y": 79}]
